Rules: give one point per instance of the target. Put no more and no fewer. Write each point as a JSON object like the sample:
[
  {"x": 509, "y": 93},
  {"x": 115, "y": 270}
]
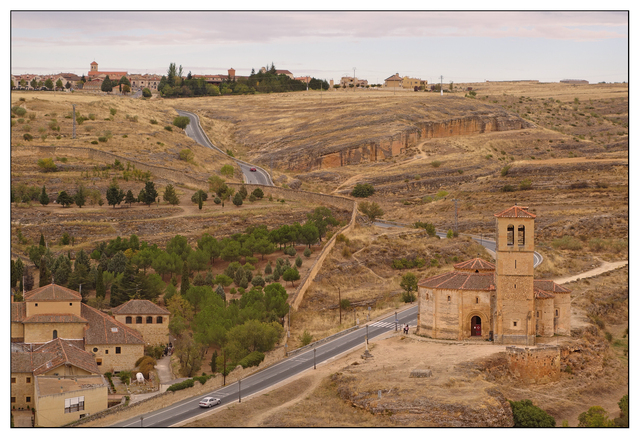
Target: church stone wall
[
  {"x": 534, "y": 365},
  {"x": 43, "y": 332},
  {"x": 152, "y": 333},
  {"x": 562, "y": 304},
  {"x": 110, "y": 361},
  {"x": 544, "y": 317}
]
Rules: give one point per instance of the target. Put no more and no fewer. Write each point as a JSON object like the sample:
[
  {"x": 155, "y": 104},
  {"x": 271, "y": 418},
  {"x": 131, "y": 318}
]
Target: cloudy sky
[{"x": 460, "y": 46}]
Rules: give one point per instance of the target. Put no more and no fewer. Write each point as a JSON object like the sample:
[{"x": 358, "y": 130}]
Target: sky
[{"x": 459, "y": 46}]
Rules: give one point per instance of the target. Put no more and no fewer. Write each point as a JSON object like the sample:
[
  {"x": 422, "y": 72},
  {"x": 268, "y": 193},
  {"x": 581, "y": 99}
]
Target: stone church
[{"x": 501, "y": 302}]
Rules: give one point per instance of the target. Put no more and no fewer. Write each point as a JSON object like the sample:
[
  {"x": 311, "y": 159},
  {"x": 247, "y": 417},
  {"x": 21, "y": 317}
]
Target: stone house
[
  {"x": 501, "y": 302},
  {"x": 150, "y": 320},
  {"x": 394, "y": 81},
  {"x": 411, "y": 83}
]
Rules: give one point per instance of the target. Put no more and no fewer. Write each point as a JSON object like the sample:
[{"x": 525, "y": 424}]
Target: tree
[
  {"x": 428, "y": 227},
  {"x": 199, "y": 196},
  {"x": 291, "y": 275},
  {"x": 243, "y": 192},
  {"x": 114, "y": 195},
  {"x": 409, "y": 284},
  {"x": 527, "y": 415},
  {"x": 64, "y": 199},
  {"x": 227, "y": 171},
  {"x": 258, "y": 193},
  {"x": 48, "y": 83},
  {"x": 596, "y": 416},
  {"x": 180, "y": 246},
  {"x": 101, "y": 291},
  {"x": 184, "y": 284},
  {"x": 322, "y": 217},
  {"x": 215, "y": 184},
  {"x": 181, "y": 121},
  {"x": 214, "y": 359},
  {"x": 118, "y": 263},
  {"x": 45, "y": 274},
  {"x": 44, "y": 198},
  {"x": 623, "y": 419},
  {"x": 371, "y": 210},
  {"x": 124, "y": 81},
  {"x": 146, "y": 93},
  {"x": 106, "y": 86},
  {"x": 237, "y": 199},
  {"x": 126, "y": 89},
  {"x": 363, "y": 190},
  {"x": 150, "y": 193},
  {"x": 59, "y": 84},
  {"x": 170, "y": 195},
  {"x": 80, "y": 196},
  {"x": 129, "y": 198}
]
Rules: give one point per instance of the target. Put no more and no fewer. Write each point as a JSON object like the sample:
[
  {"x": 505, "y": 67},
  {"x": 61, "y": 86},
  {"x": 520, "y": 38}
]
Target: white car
[{"x": 209, "y": 401}]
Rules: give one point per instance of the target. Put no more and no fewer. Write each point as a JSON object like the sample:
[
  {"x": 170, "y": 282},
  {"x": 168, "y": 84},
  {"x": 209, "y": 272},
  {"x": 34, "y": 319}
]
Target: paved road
[
  {"x": 281, "y": 371},
  {"x": 194, "y": 130}
]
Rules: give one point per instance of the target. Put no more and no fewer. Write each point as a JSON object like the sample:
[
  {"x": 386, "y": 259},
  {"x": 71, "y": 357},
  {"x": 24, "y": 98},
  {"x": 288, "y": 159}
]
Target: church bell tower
[{"x": 514, "y": 312}]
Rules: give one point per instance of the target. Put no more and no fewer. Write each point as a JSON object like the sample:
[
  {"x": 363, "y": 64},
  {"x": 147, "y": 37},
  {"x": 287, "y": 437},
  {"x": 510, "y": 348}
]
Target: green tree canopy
[
  {"x": 64, "y": 199},
  {"x": 107, "y": 85},
  {"x": 527, "y": 415}
]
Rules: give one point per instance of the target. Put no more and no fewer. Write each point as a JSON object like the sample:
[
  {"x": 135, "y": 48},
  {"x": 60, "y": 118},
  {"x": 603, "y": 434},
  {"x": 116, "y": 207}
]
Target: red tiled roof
[
  {"x": 94, "y": 63},
  {"x": 550, "y": 286},
  {"x": 456, "y": 280},
  {"x": 52, "y": 293},
  {"x": 475, "y": 264},
  {"x": 515, "y": 212},
  {"x": 51, "y": 355},
  {"x": 136, "y": 306},
  {"x": 539, "y": 294},
  {"x": 104, "y": 329},
  {"x": 18, "y": 311},
  {"x": 395, "y": 77},
  {"x": 54, "y": 318}
]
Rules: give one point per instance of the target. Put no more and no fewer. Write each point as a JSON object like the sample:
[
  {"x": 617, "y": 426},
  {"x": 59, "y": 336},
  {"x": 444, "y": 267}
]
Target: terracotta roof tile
[
  {"x": 475, "y": 264},
  {"x": 18, "y": 311},
  {"x": 53, "y": 293},
  {"x": 51, "y": 355},
  {"x": 515, "y": 212},
  {"x": 456, "y": 280},
  {"x": 104, "y": 329},
  {"x": 539, "y": 294},
  {"x": 54, "y": 318},
  {"x": 550, "y": 286},
  {"x": 137, "y": 306}
]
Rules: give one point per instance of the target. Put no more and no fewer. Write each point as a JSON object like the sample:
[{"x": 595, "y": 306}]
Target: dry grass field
[{"x": 569, "y": 165}]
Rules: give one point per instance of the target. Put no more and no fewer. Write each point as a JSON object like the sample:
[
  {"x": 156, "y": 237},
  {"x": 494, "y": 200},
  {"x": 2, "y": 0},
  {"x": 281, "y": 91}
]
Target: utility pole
[
  {"x": 340, "y": 305},
  {"x": 441, "y": 92},
  {"x": 354, "y": 79},
  {"x": 74, "y": 121},
  {"x": 239, "y": 390},
  {"x": 314, "y": 358}
]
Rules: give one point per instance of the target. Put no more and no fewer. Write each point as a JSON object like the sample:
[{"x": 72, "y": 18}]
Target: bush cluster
[{"x": 363, "y": 190}]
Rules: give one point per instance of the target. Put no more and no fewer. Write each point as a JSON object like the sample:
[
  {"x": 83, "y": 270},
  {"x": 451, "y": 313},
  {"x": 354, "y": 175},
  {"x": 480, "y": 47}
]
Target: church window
[
  {"x": 515, "y": 264},
  {"x": 521, "y": 235},
  {"x": 128, "y": 320},
  {"x": 99, "y": 361},
  {"x": 448, "y": 298},
  {"x": 149, "y": 319},
  {"x": 70, "y": 304},
  {"x": 28, "y": 380},
  {"x": 13, "y": 380},
  {"x": 557, "y": 313},
  {"x": 117, "y": 349},
  {"x": 515, "y": 324},
  {"x": 159, "y": 319},
  {"x": 537, "y": 314},
  {"x": 139, "y": 319},
  {"x": 95, "y": 349},
  {"x": 28, "y": 399},
  {"x": 36, "y": 304},
  {"x": 510, "y": 234},
  {"x": 106, "y": 351},
  {"x": 55, "y": 334},
  {"x": 477, "y": 300}
]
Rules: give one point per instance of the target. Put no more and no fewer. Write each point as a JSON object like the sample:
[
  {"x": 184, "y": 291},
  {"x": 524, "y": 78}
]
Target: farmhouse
[{"x": 500, "y": 302}]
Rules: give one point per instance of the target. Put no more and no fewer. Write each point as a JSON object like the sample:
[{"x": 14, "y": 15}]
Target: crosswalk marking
[{"x": 384, "y": 324}]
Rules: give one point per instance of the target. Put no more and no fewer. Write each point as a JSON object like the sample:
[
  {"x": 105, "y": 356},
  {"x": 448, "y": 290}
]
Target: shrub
[
  {"x": 94, "y": 142},
  {"x": 527, "y": 415},
  {"x": 258, "y": 193},
  {"x": 227, "y": 171},
  {"x": 290, "y": 251},
  {"x": 525, "y": 185},
  {"x": 28, "y": 137},
  {"x": 18, "y": 111},
  {"x": 146, "y": 93},
  {"x": 507, "y": 188},
  {"x": 298, "y": 262},
  {"x": 179, "y": 386},
  {"x": 579, "y": 185},
  {"x": 504, "y": 171},
  {"x": 102, "y": 139},
  {"x": 253, "y": 359},
  {"x": 47, "y": 165},
  {"x": 567, "y": 243},
  {"x": 168, "y": 128},
  {"x": 436, "y": 163},
  {"x": 306, "y": 253},
  {"x": 153, "y": 122},
  {"x": 596, "y": 416},
  {"x": 363, "y": 190},
  {"x": 181, "y": 121},
  {"x": 408, "y": 297},
  {"x": 305, "y": 338},
  {"x": 125, "y": 376}
]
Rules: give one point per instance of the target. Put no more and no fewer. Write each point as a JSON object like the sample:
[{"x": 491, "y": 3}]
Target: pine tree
[
  {"x": 170, "y": 195},
  {"x": 42, "y": 244},
  {"x": 100, "y": 288},
  {"x": 114, "y": 195},
  {"x": 44, "y": 198},
  {"x": 243, "y": 192},
  {"x": 80, "y": 197},
  {"x": 28, "y": 279},
  {"x": 220, "y": 292},
  {"x": 214, "y": 359},
  {"x": 106, "y": 86},
  {"x": 129, "y": 198},
  {"x": 150, "y": 193},
  {"x": 184, "y": 286},
  {"x": 45, "y": 274}
]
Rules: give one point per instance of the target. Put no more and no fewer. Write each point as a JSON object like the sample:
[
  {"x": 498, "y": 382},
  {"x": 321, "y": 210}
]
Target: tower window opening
[
  {"x": 510, "y": 234},
  {"x": 521, "y": 235}
]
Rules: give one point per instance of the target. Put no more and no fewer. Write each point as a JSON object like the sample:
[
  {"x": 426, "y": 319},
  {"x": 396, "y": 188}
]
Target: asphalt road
[
  {"x": 194, "y": 131},
  {"x": 266, "y": 378}
]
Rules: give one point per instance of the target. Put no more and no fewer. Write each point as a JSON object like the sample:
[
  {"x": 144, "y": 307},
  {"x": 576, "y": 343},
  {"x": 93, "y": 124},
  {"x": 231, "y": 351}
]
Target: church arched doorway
[{"x": 476, "y": 326}]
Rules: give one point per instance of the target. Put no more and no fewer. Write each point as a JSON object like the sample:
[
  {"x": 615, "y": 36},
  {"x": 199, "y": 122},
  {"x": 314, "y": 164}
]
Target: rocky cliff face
[{"x": 385, "y": 147}]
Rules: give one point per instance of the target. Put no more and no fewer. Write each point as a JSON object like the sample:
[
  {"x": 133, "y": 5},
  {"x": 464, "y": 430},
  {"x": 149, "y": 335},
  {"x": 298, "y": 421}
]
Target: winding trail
[{"x": 606, "y": 266}]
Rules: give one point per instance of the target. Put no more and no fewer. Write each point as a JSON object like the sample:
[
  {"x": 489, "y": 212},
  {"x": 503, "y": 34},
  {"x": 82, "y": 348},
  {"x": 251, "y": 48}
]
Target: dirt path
[
  {"x": 568, "y": 160},
  {"x": 350, "y": 180},
  {"x": 606, "y": 266}
]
